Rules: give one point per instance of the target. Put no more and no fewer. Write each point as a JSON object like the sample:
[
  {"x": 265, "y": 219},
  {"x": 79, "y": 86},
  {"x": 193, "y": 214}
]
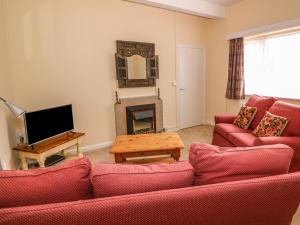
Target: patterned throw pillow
[
  {"x": 245, "y": 117},
  {"x": 270, "y": 125}
]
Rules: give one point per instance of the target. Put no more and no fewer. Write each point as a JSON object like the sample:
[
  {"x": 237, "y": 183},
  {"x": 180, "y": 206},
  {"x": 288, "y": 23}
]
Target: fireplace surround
[{"x": 139, "y": 115}]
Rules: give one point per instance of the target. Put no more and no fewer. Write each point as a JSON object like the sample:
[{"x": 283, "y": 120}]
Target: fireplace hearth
[{"x": 141, "y": 119}]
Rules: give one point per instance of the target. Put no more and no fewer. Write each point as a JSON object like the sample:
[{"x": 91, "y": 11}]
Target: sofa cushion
[
  {"x": 245, "y": 117},
  {"x": 262, "y": 104},
  {"x": 270, "y": 125},
  {"x": 66, "y": 182},
  {"x": 292, "y": 113},
  {"x": 242, "y": 140},
  {"x": 122, "y": 179},
  {"x": 224, "y": 129},
  {"x": 214, "y": 164}
]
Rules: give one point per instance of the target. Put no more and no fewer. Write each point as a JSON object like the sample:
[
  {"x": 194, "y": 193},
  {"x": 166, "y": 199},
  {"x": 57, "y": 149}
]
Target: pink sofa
[
  {"x": 264, "y": 201},
  {"x": 269, "y": 200},
  {"x": 226, "y": 134}
]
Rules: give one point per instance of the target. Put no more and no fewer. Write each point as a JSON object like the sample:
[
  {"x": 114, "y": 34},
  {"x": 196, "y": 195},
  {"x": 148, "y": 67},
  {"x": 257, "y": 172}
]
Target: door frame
[{"x": 177, "y": 75}]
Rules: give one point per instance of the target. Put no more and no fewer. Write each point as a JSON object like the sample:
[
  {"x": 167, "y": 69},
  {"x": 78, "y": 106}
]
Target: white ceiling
[
  {"x": 223, "y": 2},
  {"x": 206, "y": 8},
  {"x": 194, "y": 7}
]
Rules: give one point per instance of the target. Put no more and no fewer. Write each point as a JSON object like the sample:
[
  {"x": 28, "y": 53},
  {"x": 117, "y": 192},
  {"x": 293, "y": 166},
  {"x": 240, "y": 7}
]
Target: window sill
[{"x": 281, "y": 98}]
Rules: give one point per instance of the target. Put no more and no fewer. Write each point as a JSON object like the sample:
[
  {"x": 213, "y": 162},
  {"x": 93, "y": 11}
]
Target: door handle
[{"x": 181, "y": 89}]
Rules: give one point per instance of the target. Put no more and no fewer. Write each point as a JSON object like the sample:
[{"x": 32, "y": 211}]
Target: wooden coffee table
[{"x": 127, "y": 146}]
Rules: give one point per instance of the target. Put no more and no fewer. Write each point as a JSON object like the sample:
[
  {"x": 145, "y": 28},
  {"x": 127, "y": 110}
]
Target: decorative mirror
[
  {"x": 137, "y": 67},
  {"x": 136, "y": 64}
]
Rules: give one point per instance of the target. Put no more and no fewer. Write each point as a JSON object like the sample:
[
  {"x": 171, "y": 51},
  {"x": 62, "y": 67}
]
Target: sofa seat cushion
[
  {"x": 224, "y": 129},
  {"x": 66, "y": 182},
  {"x": 292, "y": 113},
  {"x": 262, "y": 104},
  {"x": 214, "y": 164},
  {"x": 121, "y": 179},
  {"x": 242, "y": 139}
]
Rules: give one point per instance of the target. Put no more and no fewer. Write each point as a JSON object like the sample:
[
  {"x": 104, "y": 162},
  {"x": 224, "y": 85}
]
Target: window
[{"x": 272, "y": 65}]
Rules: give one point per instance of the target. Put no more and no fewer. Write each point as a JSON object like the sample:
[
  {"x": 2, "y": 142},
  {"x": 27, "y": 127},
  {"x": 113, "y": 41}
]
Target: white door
[{"x": 190, "y": 86}]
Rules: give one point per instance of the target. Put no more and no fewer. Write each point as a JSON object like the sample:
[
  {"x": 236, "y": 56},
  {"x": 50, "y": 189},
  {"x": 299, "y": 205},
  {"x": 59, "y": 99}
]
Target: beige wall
[
  {"x": 7, "y": 121},
  {"x": 245, "y": 15},
  {"x": 60, "y": 52},
  {"x": 63, "y": 52}
]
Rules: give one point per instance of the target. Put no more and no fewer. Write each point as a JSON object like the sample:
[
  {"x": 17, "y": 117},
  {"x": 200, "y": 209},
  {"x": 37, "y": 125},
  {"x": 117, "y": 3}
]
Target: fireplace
[
  {"x": 141, "y": 119},
  {"x": 138, "y": 115}
]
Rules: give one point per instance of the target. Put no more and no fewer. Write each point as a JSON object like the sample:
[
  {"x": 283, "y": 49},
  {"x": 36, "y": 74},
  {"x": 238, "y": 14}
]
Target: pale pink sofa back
[{"x": 263, "y": 201}]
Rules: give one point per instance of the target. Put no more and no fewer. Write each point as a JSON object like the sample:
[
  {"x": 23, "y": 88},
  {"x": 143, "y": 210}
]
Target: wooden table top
[
  {"x": 147, "y": 142},
  {"x": 50, "y": 143}
]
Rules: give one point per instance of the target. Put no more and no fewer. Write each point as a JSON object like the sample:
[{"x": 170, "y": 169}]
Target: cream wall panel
[{"x": 7, "y": 121}]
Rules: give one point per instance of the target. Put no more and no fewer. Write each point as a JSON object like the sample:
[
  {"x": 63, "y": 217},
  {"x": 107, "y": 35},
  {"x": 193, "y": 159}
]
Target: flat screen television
[{"x": 47, "y": 123}]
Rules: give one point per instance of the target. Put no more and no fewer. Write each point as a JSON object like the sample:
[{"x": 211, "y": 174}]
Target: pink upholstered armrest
[
  {"x": 224, "y": 118},
  {"x": 293, "y": 142}
]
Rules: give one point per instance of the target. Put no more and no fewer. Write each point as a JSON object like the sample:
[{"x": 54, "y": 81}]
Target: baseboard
[
  {"x": 109, "y": 143},
  {"x": 172, "y": 129},
  {"x": 96, "y": 146},
  {"x": 209, "y": 122}
]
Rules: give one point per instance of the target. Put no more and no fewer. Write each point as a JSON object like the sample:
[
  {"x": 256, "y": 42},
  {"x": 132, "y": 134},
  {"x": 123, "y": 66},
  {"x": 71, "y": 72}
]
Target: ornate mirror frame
[{"x": 128, "y": 48}]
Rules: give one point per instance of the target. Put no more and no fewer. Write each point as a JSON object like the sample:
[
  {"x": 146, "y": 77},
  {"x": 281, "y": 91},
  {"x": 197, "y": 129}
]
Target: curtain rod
[{"x": 264, "y": 29}]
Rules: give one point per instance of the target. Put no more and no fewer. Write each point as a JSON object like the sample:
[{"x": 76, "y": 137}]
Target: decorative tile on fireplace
[{"x": 139, "y": 115}]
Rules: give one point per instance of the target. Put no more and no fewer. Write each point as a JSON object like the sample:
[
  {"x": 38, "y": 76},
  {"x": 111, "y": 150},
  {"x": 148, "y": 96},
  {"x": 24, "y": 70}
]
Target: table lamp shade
[{"x": 18, "y": 112}]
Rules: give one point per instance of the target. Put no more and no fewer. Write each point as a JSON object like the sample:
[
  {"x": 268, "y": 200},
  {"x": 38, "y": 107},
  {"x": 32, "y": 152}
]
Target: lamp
[{"x": 18, "y": 112}]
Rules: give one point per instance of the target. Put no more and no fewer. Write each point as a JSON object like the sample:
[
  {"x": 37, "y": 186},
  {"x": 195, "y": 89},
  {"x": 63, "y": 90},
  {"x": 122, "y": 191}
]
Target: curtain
[{"x": 235, "y": 82}]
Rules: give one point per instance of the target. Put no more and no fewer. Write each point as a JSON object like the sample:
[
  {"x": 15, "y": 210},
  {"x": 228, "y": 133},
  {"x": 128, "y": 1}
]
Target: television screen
[{"x": 47, "y": 123}]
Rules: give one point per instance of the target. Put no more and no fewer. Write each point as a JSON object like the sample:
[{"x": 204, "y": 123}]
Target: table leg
[
  {"x": 119, "y": 158},
  {"x": 79, "y": 154},
  {"x": 41, "y": 162},
  {"x": 177, "y": 154},
  {"x": 24, "y": 163}
]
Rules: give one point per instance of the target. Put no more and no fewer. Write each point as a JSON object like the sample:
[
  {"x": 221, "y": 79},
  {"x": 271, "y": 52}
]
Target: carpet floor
[{"x": 202, "y": 134}]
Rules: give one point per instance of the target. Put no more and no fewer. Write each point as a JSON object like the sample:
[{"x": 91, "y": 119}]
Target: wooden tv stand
[{"x": 44, "y": 149}]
